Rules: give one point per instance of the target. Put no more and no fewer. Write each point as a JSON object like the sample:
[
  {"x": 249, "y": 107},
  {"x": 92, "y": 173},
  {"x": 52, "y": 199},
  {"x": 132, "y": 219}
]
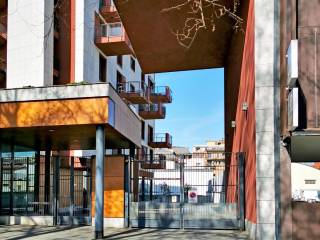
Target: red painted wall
[{"x": 240, "y": 87}]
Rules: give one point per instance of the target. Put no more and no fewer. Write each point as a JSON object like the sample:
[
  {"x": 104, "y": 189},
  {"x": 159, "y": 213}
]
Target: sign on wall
[{"x": 193, "y": 196}]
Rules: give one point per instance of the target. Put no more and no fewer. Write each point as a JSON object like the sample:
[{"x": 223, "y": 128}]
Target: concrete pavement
[{"x": 37, "y": 232}]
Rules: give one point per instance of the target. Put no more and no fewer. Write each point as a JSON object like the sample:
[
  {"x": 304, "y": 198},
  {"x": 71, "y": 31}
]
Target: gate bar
[
  {"x": 71, "y": 208},
  {"x": 182, "y": 193},
  {"x": 27, "y": 186},
  {"x": 56, "y": 189},
  {"x": 241, "y": 191}
]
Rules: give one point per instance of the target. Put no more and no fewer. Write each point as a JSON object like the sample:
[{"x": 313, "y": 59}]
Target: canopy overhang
[{"x": 152, "y": 27}]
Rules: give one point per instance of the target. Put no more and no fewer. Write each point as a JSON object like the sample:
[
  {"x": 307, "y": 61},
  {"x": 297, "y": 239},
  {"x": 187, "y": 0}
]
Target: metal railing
[
  {"x": 152, "y": 108},
  {"x": 162, "y": 138},
  {"x": 112, "y": 32},
  {"x": 161, "y": 90},
  {"x": 133, "y": 87}
]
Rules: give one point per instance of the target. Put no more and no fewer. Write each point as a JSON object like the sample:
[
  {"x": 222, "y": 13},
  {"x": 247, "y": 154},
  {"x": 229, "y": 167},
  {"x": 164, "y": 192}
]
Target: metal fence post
[
  {"x": 241, "y": 199},
  {"x": 127, "y": 191},
  {"x": 182, "y": 192},
  {"x": 56, "y": 190},
  {"x": 71, "y": 191},
  {"x": 27, "y": 186}
]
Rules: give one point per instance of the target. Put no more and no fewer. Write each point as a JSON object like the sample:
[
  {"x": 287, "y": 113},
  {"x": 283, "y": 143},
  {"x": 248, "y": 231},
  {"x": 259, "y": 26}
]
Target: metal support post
[
  {"x": 71, "y": 191},
  {"x": 47, "y": 177},
  {"x": 11, "y": 179},
  {"x": 27, "y": 186},
  {"x": 143, "y": 189},
  {"x": 182, "y": 192},
  {"x": 99, "y": 185},
  {"x": 56, "y": 188},
  {"x": 127, "y": 184}
]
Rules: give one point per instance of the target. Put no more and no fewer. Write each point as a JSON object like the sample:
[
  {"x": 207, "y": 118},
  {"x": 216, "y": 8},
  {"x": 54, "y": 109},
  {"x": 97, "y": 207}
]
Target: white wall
[{"x": 30, "y": 43}]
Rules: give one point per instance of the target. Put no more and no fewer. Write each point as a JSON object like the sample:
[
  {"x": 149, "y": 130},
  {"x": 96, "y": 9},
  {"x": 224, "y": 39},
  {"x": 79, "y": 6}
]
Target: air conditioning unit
[
  {"x": 293, "y": 109},
  {"x": 292, "y": 63}
]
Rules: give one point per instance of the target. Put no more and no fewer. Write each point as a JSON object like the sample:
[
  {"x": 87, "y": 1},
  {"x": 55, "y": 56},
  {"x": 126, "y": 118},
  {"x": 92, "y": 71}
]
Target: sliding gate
[{"x": 198, "y": 191}]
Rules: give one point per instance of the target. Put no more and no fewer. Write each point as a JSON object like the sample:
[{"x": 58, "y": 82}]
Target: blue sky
[{"x": 197, "y": 111}]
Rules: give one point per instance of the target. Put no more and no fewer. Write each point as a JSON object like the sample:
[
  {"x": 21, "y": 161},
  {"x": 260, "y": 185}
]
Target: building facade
[
  {"x": 68, "y": 71},
  {"x": 66, "y": 88}
]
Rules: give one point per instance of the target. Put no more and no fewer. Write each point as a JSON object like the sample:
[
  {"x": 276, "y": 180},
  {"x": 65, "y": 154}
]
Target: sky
[{"x": 196, "y": 113}]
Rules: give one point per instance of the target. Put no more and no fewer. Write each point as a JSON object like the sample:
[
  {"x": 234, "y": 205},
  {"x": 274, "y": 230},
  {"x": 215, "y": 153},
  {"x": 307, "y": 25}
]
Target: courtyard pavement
[{"x": 36, "y": 232}]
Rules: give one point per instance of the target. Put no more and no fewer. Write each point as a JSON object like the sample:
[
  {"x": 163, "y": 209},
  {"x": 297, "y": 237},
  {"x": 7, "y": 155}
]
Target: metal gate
[
  {"x": 73, "y": 191},
  {"x": 58, "y": 188},
  {"x": 190, "y": 191}
]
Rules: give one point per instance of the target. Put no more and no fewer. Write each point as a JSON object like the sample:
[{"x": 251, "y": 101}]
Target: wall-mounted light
[
  {"x": 233, "y": 124},
  {"x": 245, "y": 106}
]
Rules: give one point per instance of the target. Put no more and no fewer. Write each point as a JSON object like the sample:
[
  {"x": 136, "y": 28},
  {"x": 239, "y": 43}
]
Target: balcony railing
[
  {"x": 134, "y": 92},
  {"x": 161, "y": 94},
  {"x": 152, "y": 111},
  {"x": 161, "y": 140},
  {"x": 108, "y": 11},
  {"x": 112, "y": 39},
  {"x": 153, "y": 161}
]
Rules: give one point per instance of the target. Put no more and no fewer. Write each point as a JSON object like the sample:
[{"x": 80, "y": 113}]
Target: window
[
  {"x": 120, "y": 82},
  {"x": 150, "y": 134},
  {"x": 102, "y": 69},
  {"x": 143, "y": 126},
  {"x": 132, "y": 88},
  {"x": 151, "y": 84},
  {"x": 119, "y": 60},
  {"x": 310, "y": 181},
  {"x": 143, "y": 81},
  {"x": 132, "y": 64}
]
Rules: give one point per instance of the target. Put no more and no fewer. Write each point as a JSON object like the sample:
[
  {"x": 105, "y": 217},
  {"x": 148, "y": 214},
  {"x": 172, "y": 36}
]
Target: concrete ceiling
[{"x": 151, "y": 31}]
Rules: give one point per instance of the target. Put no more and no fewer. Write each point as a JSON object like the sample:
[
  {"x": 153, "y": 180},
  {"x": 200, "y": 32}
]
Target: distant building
[{"x": 305, "y": 181}]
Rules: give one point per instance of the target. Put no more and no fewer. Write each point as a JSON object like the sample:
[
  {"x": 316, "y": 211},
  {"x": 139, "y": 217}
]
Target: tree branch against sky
[{"x": 202, "y": 14}]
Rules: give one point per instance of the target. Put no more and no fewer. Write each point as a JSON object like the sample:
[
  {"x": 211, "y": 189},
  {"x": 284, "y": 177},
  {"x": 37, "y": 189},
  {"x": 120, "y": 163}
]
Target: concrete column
[
  {"x": 267, "y": 104},
  {"x": 127, "y": 184},
  {"x": 71, "y": 207},
  {"x": 99, "y": 185}
]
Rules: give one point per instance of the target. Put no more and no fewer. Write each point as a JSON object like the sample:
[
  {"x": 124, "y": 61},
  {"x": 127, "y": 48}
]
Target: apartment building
[{"x": 72, "y": 94}]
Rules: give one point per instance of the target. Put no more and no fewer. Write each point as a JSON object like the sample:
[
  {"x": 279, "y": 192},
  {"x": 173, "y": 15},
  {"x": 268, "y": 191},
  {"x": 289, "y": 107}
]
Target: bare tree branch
[{"x": 203, "y": 14}]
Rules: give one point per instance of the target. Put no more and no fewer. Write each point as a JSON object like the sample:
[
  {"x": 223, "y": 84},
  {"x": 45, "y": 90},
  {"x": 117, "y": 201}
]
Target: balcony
[
  {"x": 161, "y": 140},
  {"x": 152, "y": 111},
  {"x": 134, "y": 92},
  {"x": 156, "y": 161},
  {"x": 112, "y": 39},
  {"x": 161, "y": 94},
  {"x": 108, "y": 11}
]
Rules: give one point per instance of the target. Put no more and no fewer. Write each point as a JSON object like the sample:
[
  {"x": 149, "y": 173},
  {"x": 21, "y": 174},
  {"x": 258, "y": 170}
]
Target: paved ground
[{"x": 47, "y": 233}]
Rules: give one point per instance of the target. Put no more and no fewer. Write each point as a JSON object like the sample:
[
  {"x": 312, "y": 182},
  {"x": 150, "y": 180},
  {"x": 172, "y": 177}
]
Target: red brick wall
[{"x": 240, "y": 88}]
